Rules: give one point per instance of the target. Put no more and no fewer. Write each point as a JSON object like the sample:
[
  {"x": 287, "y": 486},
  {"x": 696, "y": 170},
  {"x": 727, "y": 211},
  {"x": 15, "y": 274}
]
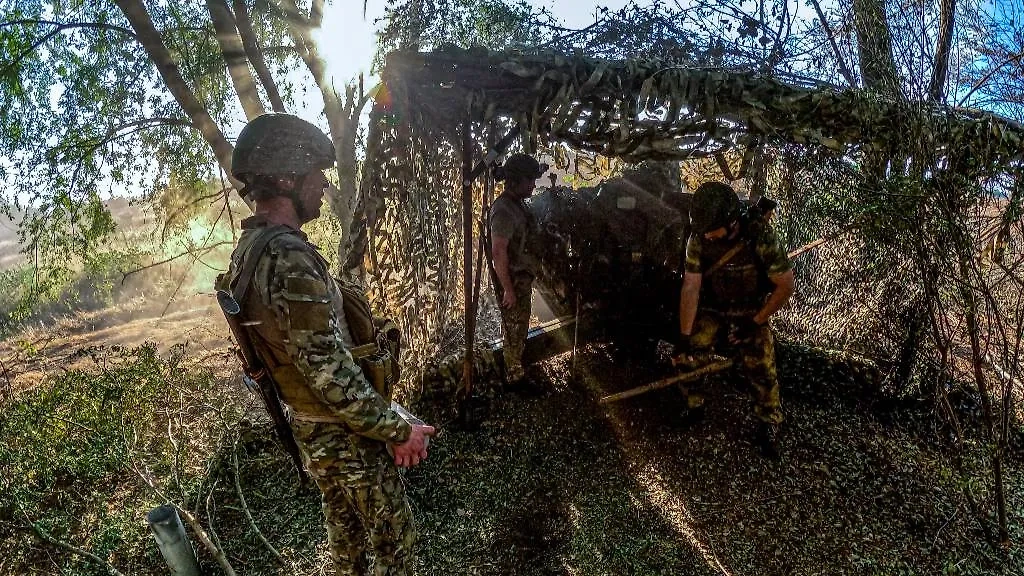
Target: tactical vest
[
  {"x": 375, "y": 345},
  {"x": 738, "y": 286}
]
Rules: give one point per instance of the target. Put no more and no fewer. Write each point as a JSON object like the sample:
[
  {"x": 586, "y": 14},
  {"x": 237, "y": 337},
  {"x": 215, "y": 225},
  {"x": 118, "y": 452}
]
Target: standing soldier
[
  {"x": 739, "y": 274},
  {"x": 513, "y": 231},
  {"x": 314, "y": 338}
]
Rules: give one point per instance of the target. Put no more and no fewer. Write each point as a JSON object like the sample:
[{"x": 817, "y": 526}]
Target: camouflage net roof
[
  {"x": 640, "y": 110},
  {"x": 924, "y": 214}
]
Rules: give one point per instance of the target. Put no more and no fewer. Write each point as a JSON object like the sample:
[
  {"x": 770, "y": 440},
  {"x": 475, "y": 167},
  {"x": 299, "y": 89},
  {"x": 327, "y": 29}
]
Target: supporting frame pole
[{"x": 467, "y": 252}]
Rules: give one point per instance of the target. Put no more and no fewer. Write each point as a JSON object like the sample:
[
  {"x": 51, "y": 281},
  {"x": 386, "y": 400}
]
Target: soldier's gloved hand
[
  {"x": 743, "y": 330},
  {"x": 683, "y": 346},
  {"x": 414, "y": 450}
]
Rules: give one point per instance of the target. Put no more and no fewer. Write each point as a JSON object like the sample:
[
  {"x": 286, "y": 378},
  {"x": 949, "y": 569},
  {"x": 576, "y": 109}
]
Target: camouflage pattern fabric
[
  {"x": 374, "y": 516},
  {"x": 515, "y": 322},
  {"x": 341, "y": 424},
  {"x": 738, "y": 290},
  {"x": 757, "y": 362}
]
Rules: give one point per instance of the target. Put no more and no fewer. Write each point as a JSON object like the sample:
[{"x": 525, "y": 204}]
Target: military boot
[{"x": 767, "y": 438}]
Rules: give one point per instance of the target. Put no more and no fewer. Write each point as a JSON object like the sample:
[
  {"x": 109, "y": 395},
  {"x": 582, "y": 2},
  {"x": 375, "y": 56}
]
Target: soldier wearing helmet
[
  {"x": 299, "y": 321},
  {"x": 513, "y": 231},
  {"x": 737, "y": 275}
]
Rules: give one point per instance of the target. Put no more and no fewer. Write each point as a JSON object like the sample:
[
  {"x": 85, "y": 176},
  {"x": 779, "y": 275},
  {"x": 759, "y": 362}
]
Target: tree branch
[
  {"x": 39, "y": 532},
  {"x": 248, "y": 514},
  {"x": 1013, "y": 58},
  {"x": 255, "y": 54},
  {"x": 230, "y": 43},
  {"x": 843, "y": 68},
  {"x": 60, "y": 27}
]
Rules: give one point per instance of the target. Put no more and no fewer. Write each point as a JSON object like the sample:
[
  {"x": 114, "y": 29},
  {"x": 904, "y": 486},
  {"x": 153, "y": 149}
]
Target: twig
[
  {"x": 248, "y": 514},
  {"x": 939, "y": 531},
  {"x": 73, "y": 423},
  {"x": 203, "y": 250},
  {"x": 65, "y": 546},
  {"x": 190, "y": 519}
]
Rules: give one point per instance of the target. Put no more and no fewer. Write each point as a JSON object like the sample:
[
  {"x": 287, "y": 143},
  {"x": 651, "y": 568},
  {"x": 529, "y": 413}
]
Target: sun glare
[{"x": 347, "y": 40}]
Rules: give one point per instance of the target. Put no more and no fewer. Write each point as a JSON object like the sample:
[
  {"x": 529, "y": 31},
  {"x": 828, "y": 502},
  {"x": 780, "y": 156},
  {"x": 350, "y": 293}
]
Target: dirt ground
[{"x": 553, "y": 482}]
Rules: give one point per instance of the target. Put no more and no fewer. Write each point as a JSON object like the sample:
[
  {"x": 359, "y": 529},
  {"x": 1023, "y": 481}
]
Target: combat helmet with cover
[
  {"x": 714, "y": 205},
  {"x": 520, "y": 167},
  {"x": 279, "y": 145}
]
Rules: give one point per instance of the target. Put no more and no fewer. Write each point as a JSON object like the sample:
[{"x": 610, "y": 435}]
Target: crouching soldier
[{"x": 736, "y": 275}]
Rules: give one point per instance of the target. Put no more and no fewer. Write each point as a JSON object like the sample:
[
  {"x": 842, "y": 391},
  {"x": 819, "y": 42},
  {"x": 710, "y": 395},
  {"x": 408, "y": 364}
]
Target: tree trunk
[
  {"x": 255, "y": 54},
  {"x": 150, "y": 39},
  {"x": 941, "y": 67},
  {"x": 877, "y": 68},
  {"x": 342, "y": 118},
  {"x": 234, "y": 56}
]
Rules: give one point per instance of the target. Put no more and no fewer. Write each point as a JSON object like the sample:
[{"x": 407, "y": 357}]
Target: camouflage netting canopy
[
  {"x": 651, "y": 110},
  {"x": 916, "y": 189}
]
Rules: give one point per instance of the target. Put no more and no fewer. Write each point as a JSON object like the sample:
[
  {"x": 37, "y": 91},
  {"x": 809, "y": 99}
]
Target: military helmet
[
  {"x": 714, "y": 205},
  {"x": 522, "y": 167},
  {"x": 277, "y": 144}
]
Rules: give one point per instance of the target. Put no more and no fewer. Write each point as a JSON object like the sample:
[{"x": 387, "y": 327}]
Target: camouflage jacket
[
  {"x": 295, "y": 316},
  {"x": 741, "y": 284}
]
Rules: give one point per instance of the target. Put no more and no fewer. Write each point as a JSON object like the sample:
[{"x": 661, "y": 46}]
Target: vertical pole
[
  {"x": 172, "y": 541},
  {"x": 467, "y": 253}
]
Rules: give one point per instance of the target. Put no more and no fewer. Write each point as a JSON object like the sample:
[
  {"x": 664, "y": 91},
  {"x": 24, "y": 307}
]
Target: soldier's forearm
[
  {"x": 688, "y": 298},
  {"x": 776, "y": 301}
]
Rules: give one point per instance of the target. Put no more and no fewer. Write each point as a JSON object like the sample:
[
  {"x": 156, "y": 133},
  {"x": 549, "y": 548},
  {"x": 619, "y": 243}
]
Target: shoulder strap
[
  {"x": 726, "y": 257},
  {"x": 240, "y": 284}
]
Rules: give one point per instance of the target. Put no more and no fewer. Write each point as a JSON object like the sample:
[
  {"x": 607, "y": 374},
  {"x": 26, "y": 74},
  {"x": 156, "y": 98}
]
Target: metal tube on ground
[{"x": 174, "y": 544}]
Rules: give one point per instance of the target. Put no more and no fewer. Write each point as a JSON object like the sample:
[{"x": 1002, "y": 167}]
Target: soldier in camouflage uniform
[
  {"x": 513, "y": 231},
  {"x": 737, "y": 275},
  {"x": 295, "y": 317}
]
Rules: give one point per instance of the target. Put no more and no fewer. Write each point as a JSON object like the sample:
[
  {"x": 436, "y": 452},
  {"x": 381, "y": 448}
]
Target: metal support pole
[
  {"x": 467, "y": 251},
  {"x": 172, "y": 541}
]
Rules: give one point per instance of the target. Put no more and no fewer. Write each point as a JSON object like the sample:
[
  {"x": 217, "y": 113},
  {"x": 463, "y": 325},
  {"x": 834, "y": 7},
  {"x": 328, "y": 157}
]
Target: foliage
[
  {"x": 97, "y": 283},
  {"x": 496, "y": 24},
  {"x": 83, "y": 112},
  {"x": 78, "y": 443}
]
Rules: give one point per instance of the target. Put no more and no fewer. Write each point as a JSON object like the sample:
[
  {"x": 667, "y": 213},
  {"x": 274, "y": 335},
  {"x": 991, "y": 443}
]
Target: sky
[{"x": 348, "y": 43}]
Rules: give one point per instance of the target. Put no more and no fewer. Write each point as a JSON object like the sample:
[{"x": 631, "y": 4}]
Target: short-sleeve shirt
[
  {"x": 702, "y": 254},
  {"x": 742, "y": 283},
  {"x": 510, "y": 218}
]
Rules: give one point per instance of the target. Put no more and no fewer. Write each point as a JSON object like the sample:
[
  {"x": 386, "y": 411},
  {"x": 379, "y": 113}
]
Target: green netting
[{"x": 921, "y": 204}]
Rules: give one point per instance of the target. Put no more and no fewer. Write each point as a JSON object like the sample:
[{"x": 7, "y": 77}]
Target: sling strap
[
  {"x": 725, "y": 258},
  {"x": 240, "y": 284}
]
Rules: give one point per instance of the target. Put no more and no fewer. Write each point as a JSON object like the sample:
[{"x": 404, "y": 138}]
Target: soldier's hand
[
  {"x": 414, "y": 450},
  {"x": 508, "y": 300},
  {"x": 682, "y": 350},
  {"x": 743, "y": 331}
]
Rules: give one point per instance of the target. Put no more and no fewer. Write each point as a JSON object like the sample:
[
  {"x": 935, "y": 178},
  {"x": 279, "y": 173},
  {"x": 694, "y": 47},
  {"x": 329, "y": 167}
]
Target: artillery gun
[{"x": 614, "y": 252}]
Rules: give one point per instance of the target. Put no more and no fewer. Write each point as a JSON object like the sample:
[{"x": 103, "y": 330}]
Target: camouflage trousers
[
  {"x": 515, "y": 322},
  {"x": 757, "y": 362},
  {"x": 363, "y": 499}
]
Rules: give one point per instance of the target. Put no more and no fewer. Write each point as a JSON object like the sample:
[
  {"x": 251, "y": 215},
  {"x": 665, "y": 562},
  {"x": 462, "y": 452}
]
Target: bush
[{"x": 73, "y": 452}]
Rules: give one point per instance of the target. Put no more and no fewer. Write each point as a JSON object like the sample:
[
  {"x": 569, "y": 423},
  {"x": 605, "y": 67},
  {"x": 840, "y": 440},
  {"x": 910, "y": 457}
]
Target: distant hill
[{"x": 125, "y": 214}]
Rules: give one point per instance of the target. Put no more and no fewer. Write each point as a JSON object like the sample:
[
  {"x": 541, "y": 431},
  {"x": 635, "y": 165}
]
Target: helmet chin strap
[{"x": 293, "y": 195}]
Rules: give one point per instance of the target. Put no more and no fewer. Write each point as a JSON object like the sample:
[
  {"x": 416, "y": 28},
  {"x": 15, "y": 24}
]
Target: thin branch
[
  {"x": 1011, "y": 59},
  {"x": 60, "y": 27},
  {"x": 835, "y": 47},
  {"x": 248, "y": 514},
  {"x": 65, "y": 546},
  {"x": 203, "y": 250}
]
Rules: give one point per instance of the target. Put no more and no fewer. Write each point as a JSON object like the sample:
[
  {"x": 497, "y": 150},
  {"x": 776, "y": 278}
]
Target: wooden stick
[{"x": 712, "y": 368}]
